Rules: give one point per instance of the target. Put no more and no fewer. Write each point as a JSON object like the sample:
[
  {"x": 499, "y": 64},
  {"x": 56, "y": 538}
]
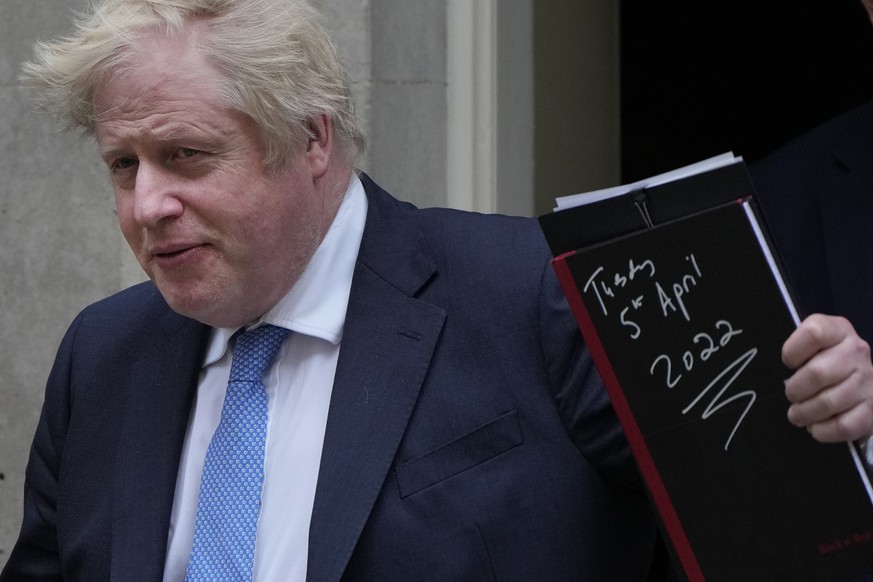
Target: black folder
[{"x": 680, "y": 297}]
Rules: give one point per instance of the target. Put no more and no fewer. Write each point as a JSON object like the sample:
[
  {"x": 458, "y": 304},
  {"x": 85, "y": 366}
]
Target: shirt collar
[{"x": 317, "y": 303}]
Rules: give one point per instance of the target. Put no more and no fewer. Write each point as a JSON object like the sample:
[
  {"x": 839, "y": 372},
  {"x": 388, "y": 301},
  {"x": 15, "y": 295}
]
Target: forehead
[{"x": 165, "y": 81}]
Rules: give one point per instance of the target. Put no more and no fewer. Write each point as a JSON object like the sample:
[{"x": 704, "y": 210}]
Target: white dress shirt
[{"x": 299, "y": 385}]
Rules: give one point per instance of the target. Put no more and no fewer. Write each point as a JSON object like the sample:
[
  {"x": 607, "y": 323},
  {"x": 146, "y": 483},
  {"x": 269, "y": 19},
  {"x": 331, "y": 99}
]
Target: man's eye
[
  {"x": 186, "y": 152},
  {"x": 124, "y": 164}
]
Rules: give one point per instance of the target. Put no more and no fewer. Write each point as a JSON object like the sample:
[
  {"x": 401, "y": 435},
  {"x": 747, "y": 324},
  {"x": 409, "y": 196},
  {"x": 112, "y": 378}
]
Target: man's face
[{"x": 222, "y": 237}]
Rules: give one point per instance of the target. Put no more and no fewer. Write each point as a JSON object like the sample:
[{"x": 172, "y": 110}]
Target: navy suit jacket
[
  {"x": 817, "y": 196},
  {"x": 468, "y": 437}
]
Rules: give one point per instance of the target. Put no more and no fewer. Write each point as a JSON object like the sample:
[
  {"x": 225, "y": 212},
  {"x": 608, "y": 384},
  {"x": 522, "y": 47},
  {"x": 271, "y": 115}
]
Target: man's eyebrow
[
  {"x": 176, "y": 132},
  {"x": 191, "y": 132},
  {"x": 109, "y": 150}
]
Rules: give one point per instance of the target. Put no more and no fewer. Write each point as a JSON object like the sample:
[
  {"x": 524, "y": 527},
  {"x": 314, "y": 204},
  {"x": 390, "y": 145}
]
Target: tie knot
[{"x": 253, "y": 352}]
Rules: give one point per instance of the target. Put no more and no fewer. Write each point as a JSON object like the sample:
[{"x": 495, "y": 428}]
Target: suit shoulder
[
  {"x": 454, "y": 238},
  {"x": 135, "y": 309},
  {"x": 816, "y": 154},
  {"x": 491, "y": 242},
  {"x": 474, "y": 226},
  {"x": 129, "y": 302}
]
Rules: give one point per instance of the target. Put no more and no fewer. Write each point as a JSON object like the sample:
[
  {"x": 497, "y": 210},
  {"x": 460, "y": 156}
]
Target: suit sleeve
[
  {"x": 579, "y": 393},
  {"x": 585, "y": 409},
  {"x": 35, "y": 555}
]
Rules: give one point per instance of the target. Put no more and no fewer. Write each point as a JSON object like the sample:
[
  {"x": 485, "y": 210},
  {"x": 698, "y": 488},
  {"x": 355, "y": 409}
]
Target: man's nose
[{"x": 156, "y": 196}]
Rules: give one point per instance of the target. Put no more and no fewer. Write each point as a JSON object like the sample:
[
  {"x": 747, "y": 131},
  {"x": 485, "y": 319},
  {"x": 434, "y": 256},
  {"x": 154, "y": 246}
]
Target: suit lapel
[
  {"x": 388, "y": 340},
  {"x": 158, "y": 402},
  {"x": 846, "y": 204}
]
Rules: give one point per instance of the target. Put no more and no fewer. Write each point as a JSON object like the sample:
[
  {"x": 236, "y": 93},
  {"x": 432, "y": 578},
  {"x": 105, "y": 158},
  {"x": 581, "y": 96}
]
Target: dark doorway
[{"x": 699, "y": 78}]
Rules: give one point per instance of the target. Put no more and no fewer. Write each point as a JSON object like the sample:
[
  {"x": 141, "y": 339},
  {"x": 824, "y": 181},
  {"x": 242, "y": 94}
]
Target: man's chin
[
  {"x": 210, "y": 307},
  {"x": 190, "y": 302}
]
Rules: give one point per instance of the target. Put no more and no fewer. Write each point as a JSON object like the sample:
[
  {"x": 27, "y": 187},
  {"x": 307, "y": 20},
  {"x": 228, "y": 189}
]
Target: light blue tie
[{"x": 233, "y": 472}]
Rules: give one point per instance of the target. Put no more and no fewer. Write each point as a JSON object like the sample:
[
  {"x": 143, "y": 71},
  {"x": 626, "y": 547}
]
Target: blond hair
[{"x": 278, "y": 63}]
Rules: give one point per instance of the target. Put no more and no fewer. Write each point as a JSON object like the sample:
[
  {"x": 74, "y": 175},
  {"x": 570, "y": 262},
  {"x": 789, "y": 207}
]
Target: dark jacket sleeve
[{"x": 35, "y": 554}]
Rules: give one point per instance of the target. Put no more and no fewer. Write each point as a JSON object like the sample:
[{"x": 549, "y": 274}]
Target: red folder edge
[{"x": 635, "y": 438}]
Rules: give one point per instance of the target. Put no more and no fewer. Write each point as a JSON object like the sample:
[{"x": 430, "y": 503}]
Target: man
[
  {"x": 433, "y": 414},
  {"x": 815, "y": 195}
]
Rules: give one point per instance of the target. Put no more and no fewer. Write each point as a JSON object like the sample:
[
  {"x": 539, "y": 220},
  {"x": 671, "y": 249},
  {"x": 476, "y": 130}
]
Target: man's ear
[{"x": 319, "y": 149}]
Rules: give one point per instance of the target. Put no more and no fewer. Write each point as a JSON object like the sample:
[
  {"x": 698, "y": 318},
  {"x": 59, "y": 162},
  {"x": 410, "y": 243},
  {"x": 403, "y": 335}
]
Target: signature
[{"x": 721, "y": 384}]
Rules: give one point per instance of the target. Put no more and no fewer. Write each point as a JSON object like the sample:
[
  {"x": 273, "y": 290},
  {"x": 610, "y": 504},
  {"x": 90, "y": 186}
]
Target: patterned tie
[{"x": 233, "y": 472}]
